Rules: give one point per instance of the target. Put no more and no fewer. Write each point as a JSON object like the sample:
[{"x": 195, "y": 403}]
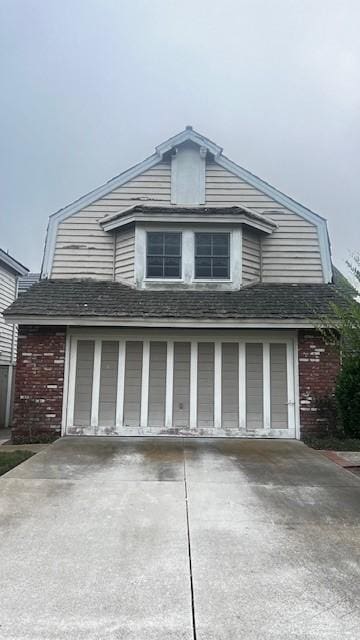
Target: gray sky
[{"x": 89, "y": 87}]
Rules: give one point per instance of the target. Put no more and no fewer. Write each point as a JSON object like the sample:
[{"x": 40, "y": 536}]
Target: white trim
[
  {"x": 193, "y": 384},
  {"x": 96, "y": 384},
  {"x": 65, "y": 384},
  {"x": 169, "y": 383},
  {"x": 242, "y": 385},
  {"x": 145, "y": 384},
  {"x": 266, "y": 386},
  {"x": 186, "y": 135},
  {"x": 184, "y": 335},
  {"x": 290, "y": 384},
  {"x": 119, "y": 419},
  {"x": 296, "y": 386},
  {"x": 72, "y": 380},
  {"x": 10, "y": 264},
  {"x": 217, "y": 384}
]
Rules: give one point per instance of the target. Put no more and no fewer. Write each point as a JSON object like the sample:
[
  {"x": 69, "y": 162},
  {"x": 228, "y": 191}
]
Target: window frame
[
  {"x": 228, "y": 257},
  {"x": 164, "y": 256}
]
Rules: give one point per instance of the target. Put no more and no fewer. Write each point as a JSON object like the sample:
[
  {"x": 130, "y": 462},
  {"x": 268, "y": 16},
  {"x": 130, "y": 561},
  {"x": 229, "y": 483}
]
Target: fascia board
[
  {"x": 13, "y": 264},
  {"x": 290, "y": 204},
  {"x": 85, "y": 201},
  {"x": 260, "y": 225},
  {"x": 189, "y": 135}
]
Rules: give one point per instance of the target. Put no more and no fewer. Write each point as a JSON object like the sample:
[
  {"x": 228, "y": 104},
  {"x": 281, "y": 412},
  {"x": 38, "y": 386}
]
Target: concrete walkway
[{"x": 173, "y": 539}]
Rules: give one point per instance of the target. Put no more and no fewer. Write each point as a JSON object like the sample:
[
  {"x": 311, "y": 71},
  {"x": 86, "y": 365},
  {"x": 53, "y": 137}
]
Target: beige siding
[
  {"x": 181, "y": 390},
  {"x": 230, "y": 385},
  {"x": 251, "y": 257},
  {"x": 292, "y": 252},
  {"x": 205, "y": 390},
  {"x": 132, "y": 389},
  {"x": 83, "y": 384},
  {"x": 278, "y": 386},
  {"x": 83, "y": 249},
  {"x": 7, "y": 296},
  {"x": 254, "y": 386},
  {"x": 108, "y": 382},
  {"x": 125, "y": 256},
  {"x": 157, "y": 384}
]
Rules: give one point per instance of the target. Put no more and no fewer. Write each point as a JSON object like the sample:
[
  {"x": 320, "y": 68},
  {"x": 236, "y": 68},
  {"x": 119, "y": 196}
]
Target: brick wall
[
  {"x": 319, "y": 366},
  {"x": 39, "y": 383}
]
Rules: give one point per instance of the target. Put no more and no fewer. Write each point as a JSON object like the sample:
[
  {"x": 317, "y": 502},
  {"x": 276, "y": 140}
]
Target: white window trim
[{"x": 188, "y": 256}]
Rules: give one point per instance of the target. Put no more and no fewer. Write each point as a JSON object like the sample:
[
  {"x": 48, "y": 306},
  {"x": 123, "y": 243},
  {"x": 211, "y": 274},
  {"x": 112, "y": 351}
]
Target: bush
[{"x": 348, "y": 396}]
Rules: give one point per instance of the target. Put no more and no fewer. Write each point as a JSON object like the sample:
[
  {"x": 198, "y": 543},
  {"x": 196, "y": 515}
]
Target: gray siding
[
  {"x": 108, "y": 382},
  {"x": 292, "y": 252},
  {"x": 251, "y": 256},
  {"x": 7, "y": 296},
  {"x": 254, "y": 386},
  {"x": 125, "y": 256},
  {"x": 83, "y": 249},
  {"x": 230, "y": 385},
  {"x": 83, "y": 382},
  {"x": 278, "y": 386},
  {"x": 205, "y": 391},
  {"x": 181, "y": 389},
  {"x": 132, "y": 390},
  {"x": 157, "y": 384}
]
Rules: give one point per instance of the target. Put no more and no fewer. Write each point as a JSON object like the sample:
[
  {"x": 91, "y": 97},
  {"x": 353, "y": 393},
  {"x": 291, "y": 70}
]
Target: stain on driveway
[{"x": 134, "y": 538}]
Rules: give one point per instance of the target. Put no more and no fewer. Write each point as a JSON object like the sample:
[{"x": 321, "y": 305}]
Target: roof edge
[{"x": 13, "y": 264}]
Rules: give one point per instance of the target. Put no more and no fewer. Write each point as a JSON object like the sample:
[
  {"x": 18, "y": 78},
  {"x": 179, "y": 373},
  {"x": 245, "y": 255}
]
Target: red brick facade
[
  {"x": 319, "y": 366},
  {"x": 39, "y": 383}
]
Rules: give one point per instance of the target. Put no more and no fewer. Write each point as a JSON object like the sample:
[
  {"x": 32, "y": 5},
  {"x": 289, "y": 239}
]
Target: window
[
  {"x": 163, "y": 257},
  {"x": 212, "y": 255}
]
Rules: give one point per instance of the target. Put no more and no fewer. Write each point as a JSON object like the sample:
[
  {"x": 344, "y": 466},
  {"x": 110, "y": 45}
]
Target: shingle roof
[{"x": 93, "y": 299}]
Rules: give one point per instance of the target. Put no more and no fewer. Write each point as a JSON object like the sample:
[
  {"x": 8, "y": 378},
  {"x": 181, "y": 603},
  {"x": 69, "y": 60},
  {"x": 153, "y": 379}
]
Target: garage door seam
[{"x": 189, "y": 549}]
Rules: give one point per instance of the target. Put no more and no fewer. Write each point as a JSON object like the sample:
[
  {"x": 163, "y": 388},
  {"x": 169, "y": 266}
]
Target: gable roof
[
  {"x": 11, "y": 264},
  {"x": 102, "y": 302},
  {"x": 188, "y": 134}
]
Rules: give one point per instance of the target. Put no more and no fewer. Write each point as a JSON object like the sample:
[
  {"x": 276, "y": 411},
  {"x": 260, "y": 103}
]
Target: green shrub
[{"x": 348, "y": 396}]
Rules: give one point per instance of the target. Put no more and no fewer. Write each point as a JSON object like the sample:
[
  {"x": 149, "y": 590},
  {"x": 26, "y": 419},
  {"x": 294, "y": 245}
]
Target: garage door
[{"x": 131, "y": 386}]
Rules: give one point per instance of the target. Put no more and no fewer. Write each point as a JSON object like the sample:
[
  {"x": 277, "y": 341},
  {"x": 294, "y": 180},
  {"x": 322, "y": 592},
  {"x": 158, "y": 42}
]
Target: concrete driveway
[{"x": 179, "y": 539}]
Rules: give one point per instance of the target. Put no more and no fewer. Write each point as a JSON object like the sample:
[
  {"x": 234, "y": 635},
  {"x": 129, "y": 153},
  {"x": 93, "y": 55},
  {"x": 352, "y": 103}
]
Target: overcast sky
[{"x": 89, "y": 87}]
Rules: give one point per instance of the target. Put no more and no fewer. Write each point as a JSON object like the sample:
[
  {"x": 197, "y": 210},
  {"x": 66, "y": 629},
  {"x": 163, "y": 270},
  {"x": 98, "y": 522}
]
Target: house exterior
[
  {"x": 181, "y": 297},
  {"x": 10, "y": 271}
]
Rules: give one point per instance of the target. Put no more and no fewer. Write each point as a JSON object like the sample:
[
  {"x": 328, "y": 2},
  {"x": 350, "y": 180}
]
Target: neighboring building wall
[
  {"x": 39, "y": 383},
  {"x": 251, "y": 256},
  {"x": 83, "y": 249},
  {"x": 319, "y": 366},
  {"x": 7, "y": 296},
  {"x": 125, "y": 256},
  {"x": 292, "y": 252}
]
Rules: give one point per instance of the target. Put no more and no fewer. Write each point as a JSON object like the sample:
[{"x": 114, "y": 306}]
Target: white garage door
[{"x": 130, "y": 386}]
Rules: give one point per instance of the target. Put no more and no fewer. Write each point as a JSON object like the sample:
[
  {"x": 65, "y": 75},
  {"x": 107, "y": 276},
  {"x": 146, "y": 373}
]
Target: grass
[
  {"x": 333, "y": 443},
  {"x": 10, "y": 459}
]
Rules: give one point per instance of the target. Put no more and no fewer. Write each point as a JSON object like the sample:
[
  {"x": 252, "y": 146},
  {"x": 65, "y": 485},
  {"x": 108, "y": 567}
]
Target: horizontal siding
[
  {"x": 251, "y": 257},
  {"x": 295, "y": 242},
  {"x": 83, "y": 249},
  {"x": 7, "y": 296},
  {"x": 125, "y": 256}
]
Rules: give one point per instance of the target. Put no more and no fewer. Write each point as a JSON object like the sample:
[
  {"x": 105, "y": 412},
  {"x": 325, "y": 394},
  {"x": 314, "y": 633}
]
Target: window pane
[
  {"x": 172, "y": 244},
  {"x": 154, "y": 266},
  {"x": 221, "y": 268},
  {"x": 155, "y": 243},
  {"x": 203, "y": 268},
  {"x": 203, "y": 244},
  {"x": 220, "y": 244},
  {"x": 172, "y": 268}
]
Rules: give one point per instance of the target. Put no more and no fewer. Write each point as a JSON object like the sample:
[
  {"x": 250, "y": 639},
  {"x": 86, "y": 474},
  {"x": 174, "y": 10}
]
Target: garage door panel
[
  {"x": 278, "y": 386},
  {"x": 157, "y": 384},
  {"x": 254, "y": 386},
  {"x": 83, "y": 382},
  {"x": 230, "y": 385},
  {"x": 205, "y": 390},
  {"x": 132, "y": 385},
  {"x": 108, "y": 382},
  {"x": 181, "y": 384}
]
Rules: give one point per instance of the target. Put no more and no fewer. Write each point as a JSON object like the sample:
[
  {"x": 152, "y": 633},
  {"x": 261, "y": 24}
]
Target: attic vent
[{"x": 188, "y": 175}]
